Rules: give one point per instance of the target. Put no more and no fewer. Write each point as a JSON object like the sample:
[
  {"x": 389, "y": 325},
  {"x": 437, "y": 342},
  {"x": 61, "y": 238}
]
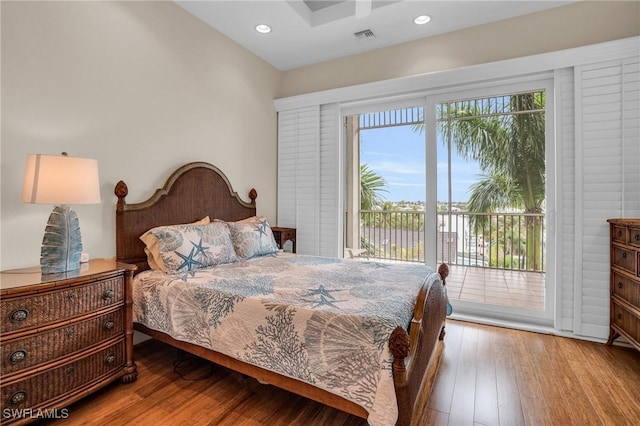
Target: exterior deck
[
  {"x": 518, "y": 289},
  {"x": 495, "y": 258}
]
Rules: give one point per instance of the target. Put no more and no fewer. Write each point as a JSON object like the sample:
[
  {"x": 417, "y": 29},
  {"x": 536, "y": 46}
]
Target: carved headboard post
[
  {"x": 443, "y": 270},
  {"x": 121, "y": 192}
]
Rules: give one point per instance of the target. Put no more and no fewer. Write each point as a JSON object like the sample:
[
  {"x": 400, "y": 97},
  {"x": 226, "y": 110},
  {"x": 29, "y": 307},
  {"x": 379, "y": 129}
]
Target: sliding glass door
[{"x": 491, "y": 148}]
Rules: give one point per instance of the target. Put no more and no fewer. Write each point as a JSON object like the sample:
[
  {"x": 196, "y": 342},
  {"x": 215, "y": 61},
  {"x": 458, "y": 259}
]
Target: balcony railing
[{"x": 513, "y": 241}]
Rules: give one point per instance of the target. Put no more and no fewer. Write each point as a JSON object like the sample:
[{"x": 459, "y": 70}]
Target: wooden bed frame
[{"x": 199, "y": 189}]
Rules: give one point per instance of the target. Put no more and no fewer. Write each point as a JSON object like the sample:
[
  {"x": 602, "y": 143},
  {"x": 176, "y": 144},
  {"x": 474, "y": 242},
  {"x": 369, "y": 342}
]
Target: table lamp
[{"x": 61, "y": 180}]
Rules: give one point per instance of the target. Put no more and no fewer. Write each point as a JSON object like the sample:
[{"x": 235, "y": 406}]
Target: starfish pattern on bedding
[
  {"x": 261, "y": 227},
  {"x": 321, "y": 290},
  {"x": 189, "y": 261},
  {"x": 326, "y": 302},
  {"x": 326, "y": 299},
  {"x": 200, "y": 249}
]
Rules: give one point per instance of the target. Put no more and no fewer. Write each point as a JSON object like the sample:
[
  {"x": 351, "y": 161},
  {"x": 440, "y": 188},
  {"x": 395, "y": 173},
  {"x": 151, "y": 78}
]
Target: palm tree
[
  {"x": 371, "y": 187},
  {"x": 510, "y": 150}
]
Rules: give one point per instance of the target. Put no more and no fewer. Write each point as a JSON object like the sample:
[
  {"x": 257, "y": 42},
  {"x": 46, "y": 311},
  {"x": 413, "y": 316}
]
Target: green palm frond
[
  {"x": 510, "y": 150},
  {"x": 371, "y": 187}
]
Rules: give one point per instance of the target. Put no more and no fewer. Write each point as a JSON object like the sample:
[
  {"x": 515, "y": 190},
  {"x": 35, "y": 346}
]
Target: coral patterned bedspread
[{"x": 320, "y": 320}]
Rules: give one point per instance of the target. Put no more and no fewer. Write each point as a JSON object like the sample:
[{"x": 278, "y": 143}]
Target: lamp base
[{"x": 61, "y": 244}]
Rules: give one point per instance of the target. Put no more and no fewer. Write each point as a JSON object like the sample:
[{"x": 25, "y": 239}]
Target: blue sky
[{"x": 398, "y": 155}]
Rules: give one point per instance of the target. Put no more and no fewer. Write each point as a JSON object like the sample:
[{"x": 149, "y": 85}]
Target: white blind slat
[
  {"x": 606, "y": 180},
  {"x": 308, "y": 178}
]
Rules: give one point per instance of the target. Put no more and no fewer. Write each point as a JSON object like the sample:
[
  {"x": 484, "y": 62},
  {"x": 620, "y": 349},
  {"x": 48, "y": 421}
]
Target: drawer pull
[
  {"x": 19, "y": 315},
  {"x": 620, "y": 284},
  {"x": 18, "y": 398},
  {"x": 109, "y": 325},
  {"x": 109, "y": 359},
  {"x": 108, "y": 294},
  {"x": 71, "y": 295},
  {"x": 619, "y": 233},
  {"x": 619, "y": 316},
  {"x": 69, "y": 332},
  {"x": 636, "y": 237},
  {"x": 17, "y": 356},
  {"x": 624, "y": 254},
  {"x": 70, "y": 369}
]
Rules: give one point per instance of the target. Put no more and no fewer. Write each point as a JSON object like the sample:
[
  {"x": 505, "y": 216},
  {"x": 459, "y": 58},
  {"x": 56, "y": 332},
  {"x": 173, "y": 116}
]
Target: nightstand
[
  {"x": 282, "y": 235},
  {"x": 63, "y": 336}
]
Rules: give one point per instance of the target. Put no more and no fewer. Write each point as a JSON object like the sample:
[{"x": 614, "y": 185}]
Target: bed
[{"x": 292, "y": 321}]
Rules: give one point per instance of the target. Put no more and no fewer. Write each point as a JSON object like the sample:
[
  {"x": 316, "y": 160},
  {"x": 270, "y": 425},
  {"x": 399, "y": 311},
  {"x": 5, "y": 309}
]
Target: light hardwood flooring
[{"x": 487, "y": 376}]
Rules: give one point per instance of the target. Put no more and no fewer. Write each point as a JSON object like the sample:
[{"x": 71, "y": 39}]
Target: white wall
[{"x": 143, "y": 87}]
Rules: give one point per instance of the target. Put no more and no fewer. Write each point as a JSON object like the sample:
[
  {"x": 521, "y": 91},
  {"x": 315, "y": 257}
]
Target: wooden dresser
[
  {"x": 625, "y": 280},
  {"x": 62, "y": 337}
]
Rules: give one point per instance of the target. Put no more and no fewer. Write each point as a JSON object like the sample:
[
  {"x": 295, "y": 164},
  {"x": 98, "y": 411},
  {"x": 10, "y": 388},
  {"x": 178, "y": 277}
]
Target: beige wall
[
  {"x": 141, "y": 86},
  {"x": 579, "y": 24},
  {"x": 145, "y": 87}
]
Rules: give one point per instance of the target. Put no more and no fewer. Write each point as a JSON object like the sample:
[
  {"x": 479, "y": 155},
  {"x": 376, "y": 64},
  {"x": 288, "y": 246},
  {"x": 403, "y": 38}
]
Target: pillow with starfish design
[
  {"x": 252, "y": 237},
  {"x": 152, "y": 248},
  {"x": 191, "y": 247}
]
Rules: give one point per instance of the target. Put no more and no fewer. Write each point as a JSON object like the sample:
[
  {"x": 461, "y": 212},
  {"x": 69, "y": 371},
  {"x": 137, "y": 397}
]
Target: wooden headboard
[{"x": 192, "y": 192}]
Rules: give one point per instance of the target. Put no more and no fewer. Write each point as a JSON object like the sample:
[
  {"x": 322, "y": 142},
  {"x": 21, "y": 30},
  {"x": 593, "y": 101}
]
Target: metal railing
[{"x": 513, "y": 241}]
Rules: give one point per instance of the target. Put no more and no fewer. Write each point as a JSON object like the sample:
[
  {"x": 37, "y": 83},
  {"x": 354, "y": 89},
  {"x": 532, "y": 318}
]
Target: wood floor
[{"x": 487, "y": 376}]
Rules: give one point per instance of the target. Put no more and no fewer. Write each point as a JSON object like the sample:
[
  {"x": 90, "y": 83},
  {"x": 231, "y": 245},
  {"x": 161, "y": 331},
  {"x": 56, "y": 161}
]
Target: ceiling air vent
[{"x": 361, "y": 35}]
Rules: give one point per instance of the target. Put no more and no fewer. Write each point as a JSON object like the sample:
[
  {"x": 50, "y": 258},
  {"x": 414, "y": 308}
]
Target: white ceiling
[{"x": 313, "y": 31}]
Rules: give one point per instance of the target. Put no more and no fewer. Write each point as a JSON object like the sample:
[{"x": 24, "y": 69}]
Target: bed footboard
[{"x": 413, "y": 352}]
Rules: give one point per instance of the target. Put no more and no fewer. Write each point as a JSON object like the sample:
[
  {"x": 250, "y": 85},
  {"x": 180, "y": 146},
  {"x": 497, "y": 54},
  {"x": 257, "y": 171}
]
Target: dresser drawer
[
  {"x": 625, "y": 259},
  {"x": 634, "y": 237},
  {"x": 625, "y": 280},
  {"x": 626, "y": 288},
  {"x": 38, "y": 310},
  {"x": 619, "y": 234},
  {"x": 39, "y": 388},
  {"x": 50, "y": 345},
  {"x": 626, "y": 321}
]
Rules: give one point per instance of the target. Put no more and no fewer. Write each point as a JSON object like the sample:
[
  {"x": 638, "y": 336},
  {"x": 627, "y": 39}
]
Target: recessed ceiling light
[
  {"x": 422, "y": 19},
  {"x": 263, "y": 28}
]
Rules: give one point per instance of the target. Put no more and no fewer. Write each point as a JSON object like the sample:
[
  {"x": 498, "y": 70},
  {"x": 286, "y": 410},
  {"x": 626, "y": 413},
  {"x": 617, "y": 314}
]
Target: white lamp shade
[{"x": 59, "y": 179}]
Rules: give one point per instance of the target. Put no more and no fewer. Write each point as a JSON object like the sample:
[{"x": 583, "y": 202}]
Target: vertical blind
[
  {"x": 607, "y": 180},
  {"x": 565, "y": 142},
  {"x": 309, "y": 176}
]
